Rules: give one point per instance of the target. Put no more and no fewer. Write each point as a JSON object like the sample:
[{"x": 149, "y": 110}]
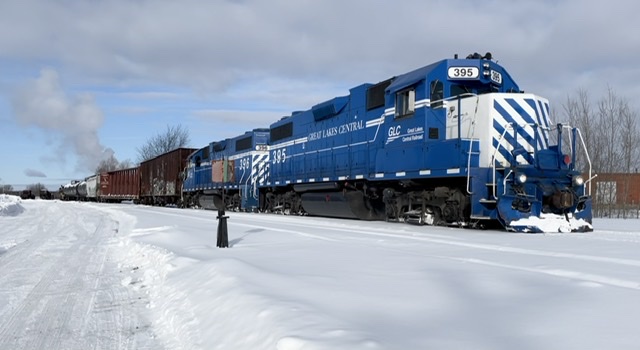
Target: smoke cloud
[
  {"x": 70, "y": 122},
  {"x": 34, "y": 173}
]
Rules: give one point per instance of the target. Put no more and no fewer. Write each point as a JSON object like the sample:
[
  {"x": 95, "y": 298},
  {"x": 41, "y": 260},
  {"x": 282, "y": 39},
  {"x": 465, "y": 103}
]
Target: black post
[{"x": 223, "y": 234}]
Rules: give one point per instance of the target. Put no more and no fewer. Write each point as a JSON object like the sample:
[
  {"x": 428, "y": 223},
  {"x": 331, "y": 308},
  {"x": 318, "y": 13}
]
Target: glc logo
[{"x": 394, "y": 131}]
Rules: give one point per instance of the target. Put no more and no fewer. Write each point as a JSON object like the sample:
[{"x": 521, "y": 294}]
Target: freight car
[
  {"x": 119, "y": 185},
  {"x": 70, "y": 192},
  {"x": 161, "y": 177},
  {"x": 227, "y": 173},
  {"x": 453, "y": 143},
  {"x": 27, "y": 194},
  {"x": 91, "y": 187}
]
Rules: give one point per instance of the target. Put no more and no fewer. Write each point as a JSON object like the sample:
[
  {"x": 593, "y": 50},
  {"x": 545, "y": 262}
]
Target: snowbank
[{"x": 10, "y": 205}]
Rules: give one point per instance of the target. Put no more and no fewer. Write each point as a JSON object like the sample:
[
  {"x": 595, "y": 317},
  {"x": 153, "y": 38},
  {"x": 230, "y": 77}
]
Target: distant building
[
  {"x": 616, "y": 189},
  {"x": 616, "y": 195}
]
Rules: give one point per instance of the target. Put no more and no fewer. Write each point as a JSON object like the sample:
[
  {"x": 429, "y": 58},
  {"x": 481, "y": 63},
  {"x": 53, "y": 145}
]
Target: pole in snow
[{"x": 223, "y": 234}]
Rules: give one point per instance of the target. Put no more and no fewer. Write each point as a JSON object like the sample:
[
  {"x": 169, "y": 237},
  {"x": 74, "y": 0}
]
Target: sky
[
  {"x": 117, "y": 276},
  {"x": 83, "y": 80}
]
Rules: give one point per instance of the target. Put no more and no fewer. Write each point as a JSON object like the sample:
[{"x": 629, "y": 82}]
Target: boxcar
[{"x": 92, "y": 187}]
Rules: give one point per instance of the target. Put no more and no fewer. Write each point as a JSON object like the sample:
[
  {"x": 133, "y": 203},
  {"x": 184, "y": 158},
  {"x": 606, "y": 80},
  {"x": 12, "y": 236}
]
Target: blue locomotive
[
  {"x": 452, "y": 143},
  {"x": 227, "y": 173}
]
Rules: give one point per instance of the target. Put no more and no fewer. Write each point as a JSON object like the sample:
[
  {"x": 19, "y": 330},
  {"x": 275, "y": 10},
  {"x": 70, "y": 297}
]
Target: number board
[
  {"x": 496, "y": 77},
  {"x": 463, "y": 72}
]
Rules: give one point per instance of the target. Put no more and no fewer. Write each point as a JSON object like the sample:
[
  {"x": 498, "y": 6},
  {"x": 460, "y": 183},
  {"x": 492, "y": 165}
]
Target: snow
[
  {"x": 132, "y": 277},
  {"x": 551, "y": 223},
  {"x": 10, "y": 205}
]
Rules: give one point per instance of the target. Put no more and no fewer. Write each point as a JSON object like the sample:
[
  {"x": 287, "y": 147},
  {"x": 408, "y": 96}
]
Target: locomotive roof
[{"x": 408, "y": 79}]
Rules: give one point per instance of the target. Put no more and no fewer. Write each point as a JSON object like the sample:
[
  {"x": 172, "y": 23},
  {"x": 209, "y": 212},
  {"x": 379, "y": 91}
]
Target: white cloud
[
  {"x": 34, "y": 173},
  {"x": 71, "y": 121},
  {"x": 214, "y": 45}
]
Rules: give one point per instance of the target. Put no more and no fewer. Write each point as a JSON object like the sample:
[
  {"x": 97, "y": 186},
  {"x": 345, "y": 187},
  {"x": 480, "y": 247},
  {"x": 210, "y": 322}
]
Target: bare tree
[
  {"x": 630, "y": 143},
  {"x": 609, "y": 127},
  {"x": 126, "y": 164},
  {"x": 629, "y": 138},
  {"x": 7, "y": 188},
  {"x": 174, "y": 137},
  {"x": 108, "y": 164},
  {"x": 580, "y": 114},
  {"x": 36, "y": 189},
  {"x": 111, "y": 164}
]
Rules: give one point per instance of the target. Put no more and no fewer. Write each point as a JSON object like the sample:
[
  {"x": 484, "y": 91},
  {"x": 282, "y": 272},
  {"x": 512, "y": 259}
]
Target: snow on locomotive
[{"x": 452, "y": 143}]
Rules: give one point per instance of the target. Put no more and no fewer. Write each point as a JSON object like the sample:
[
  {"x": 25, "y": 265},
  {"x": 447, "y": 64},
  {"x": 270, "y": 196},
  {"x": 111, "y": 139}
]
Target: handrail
[
  {"x": 450, "y": 98},
  {"x": 473, "y": 123},
  {"x": 493, "y": 159},
  {"x": 586, "y": 153},
  {"x": 473, "y": 129},
  {"x": 507, "y": 127}
]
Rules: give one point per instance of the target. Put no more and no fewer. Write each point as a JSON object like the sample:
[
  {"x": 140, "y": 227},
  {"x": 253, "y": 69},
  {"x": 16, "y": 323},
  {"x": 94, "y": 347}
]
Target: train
[
  {"x": 453, "y": 143},
  {"x": 157, "y": 181}
]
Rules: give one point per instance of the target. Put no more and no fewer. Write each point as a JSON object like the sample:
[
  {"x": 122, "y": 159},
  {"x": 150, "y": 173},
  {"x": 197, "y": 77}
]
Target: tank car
[
  {"x": 227, "y": 173},
  {"x": 453, "y": 143},
  {"x": 69, "y": 192}
]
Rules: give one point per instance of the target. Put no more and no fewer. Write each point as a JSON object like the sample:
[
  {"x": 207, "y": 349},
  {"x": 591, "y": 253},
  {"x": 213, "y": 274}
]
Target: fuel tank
[{"x": 343, "y": 204}]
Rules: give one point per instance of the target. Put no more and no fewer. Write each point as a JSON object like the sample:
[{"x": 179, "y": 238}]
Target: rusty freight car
[
  {"x": 119, "y": 185},
  {"x": 161, "y": 177}
]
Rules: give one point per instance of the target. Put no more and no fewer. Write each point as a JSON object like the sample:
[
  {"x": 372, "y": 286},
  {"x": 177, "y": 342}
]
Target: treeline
[{"x": 609, "y": 127}]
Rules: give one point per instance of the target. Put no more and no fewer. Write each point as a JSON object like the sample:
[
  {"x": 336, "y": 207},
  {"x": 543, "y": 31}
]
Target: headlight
[
  {"x": 578, "y": 180},
  {"x": 521, "y": 178}
]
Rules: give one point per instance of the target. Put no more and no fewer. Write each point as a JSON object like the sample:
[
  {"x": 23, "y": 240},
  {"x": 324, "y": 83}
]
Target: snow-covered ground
[{"x": 82, "y": 275}]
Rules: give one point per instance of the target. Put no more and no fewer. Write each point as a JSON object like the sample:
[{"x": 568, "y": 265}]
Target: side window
[
  {"x": 405, "y": 102},
  {"x": 456, "y": 90},
  {"x": 375, "y": 94},
  {"x": 437, "y": 94}
]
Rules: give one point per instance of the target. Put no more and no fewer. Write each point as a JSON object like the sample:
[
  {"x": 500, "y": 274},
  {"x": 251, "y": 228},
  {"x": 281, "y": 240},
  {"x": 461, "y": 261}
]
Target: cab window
[
  {"x": 405, "y": 102},
  {"x": 437, "y": 94}
]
